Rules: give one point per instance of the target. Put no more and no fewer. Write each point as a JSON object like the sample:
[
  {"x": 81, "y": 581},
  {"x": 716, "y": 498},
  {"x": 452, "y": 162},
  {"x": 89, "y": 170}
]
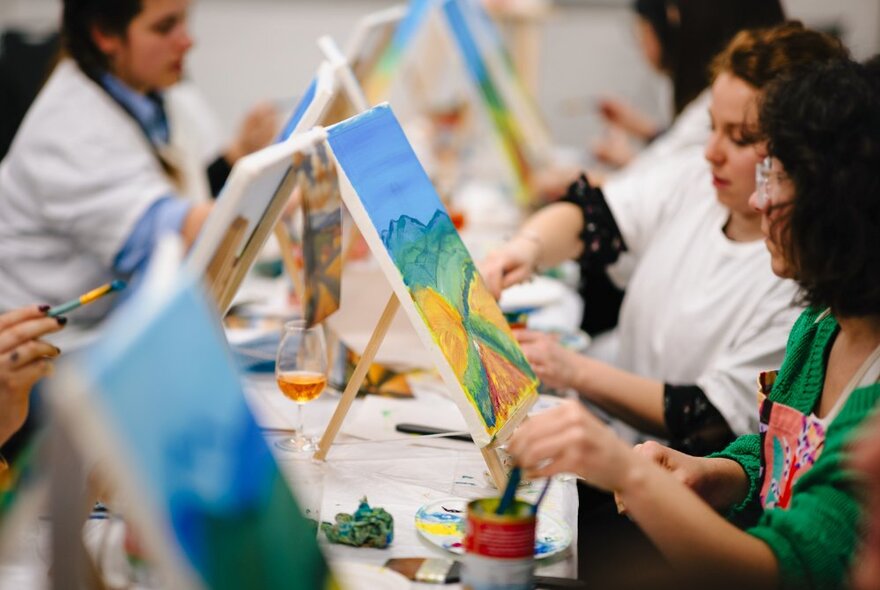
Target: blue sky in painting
[{"x": 382, "y": 167}]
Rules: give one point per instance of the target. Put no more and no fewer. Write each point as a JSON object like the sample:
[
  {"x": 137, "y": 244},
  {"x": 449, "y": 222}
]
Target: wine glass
[{"x": 301, "y": 373}]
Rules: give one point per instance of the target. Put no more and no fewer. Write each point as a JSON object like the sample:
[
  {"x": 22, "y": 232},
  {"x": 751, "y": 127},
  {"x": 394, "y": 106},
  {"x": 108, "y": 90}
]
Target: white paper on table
[{"x": 377, "y": 417}]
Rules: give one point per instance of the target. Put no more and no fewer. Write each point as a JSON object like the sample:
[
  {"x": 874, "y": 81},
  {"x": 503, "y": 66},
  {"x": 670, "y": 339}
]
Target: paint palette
[
  {"x": 537, "y": 293},
  {"x": 442, "y": 523}
]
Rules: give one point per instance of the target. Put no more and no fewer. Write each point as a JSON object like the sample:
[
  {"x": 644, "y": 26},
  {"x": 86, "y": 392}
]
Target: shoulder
[
  {"x": 73, "y": 111},
  {"x": 75, "y": 134},
  {"x": 808, "y": 324}
]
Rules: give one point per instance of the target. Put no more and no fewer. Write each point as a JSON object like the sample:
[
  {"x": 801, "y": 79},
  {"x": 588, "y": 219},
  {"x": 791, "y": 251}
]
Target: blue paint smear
[
  {"x": 545, "y": 546},
  {"x": 443, "y": 517}
]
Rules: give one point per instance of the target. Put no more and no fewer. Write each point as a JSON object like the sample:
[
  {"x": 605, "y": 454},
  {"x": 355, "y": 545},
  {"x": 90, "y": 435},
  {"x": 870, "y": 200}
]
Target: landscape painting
[{"x": 410, "y": 228}]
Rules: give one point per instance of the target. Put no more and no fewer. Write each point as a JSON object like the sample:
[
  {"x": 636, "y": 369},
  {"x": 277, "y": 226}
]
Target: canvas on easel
[
  {"x": 449, "y": 60},
  {"x": 377, "y": 82},
  {"x": 371, "y": 37},
  {"x": 482, "y": 29},
  {"x": 433, "y": 279},
  {"x": 246, "y": 213},
  {"x": 317, "y": 192},
  {"x": 157, "y": 403}
]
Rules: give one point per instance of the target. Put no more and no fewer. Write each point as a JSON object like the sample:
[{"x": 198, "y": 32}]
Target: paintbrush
[
  {"x": 510, "y": 491},
  {"x": 92, "y": 295},
  {"x": 541, "y": 496}
]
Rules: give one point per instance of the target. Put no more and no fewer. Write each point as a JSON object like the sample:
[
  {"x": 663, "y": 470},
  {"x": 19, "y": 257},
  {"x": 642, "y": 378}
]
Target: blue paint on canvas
[
  {"x": 299, "y": 111},
  {"x": 466, "y": 43},
  {"x": 390, "y": 180},
  {"x": 163, "y": 376}
]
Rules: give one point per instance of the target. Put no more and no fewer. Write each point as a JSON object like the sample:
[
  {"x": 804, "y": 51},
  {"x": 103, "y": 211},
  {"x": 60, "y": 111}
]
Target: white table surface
[{"x": 402, "y": 476}]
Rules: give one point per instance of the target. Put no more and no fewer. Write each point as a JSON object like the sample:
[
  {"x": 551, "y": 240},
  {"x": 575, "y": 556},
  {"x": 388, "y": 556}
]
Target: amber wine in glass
[{"x": 301, "y": 373}]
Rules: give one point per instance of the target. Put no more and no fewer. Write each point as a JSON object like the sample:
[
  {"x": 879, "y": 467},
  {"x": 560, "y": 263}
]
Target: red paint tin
[{"x": 499, "y": 549}]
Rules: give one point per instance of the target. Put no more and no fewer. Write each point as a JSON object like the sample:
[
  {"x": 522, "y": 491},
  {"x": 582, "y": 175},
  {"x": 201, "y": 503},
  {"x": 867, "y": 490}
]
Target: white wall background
[{"x": 248, "y": 50}]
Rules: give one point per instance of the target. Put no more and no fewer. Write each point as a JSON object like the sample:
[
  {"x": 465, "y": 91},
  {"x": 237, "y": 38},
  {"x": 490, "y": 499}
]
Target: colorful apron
[{"x": 791, "y": 441}]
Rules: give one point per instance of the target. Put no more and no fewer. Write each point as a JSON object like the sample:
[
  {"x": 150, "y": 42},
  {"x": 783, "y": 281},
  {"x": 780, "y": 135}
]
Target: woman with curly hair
[
  {"x": 790, "y": 498},
  {"x": 703, "y": 312}
]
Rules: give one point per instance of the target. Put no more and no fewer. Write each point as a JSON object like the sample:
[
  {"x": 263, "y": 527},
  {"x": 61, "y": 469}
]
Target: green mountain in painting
[{"x": 464, "y": 319}]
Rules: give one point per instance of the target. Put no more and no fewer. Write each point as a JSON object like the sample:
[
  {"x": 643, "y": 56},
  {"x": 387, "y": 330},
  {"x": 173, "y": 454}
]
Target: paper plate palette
[
  {"x": 534, "y": 294},
  {"x": 442, "y": 523}
]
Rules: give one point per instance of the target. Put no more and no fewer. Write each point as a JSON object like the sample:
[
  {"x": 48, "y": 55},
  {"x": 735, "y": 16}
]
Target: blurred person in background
[{"x": 108, "y": 158}]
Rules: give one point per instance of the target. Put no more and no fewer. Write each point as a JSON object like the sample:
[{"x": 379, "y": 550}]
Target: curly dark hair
[
  {"x": 757, "y": 56},
  {"x": 823, "y": 124},
  {"x": 80, "y": 16}
]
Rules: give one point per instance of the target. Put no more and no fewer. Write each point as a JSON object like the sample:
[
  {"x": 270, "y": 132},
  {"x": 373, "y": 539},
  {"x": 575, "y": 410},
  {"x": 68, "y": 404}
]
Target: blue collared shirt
[{"x": 168, "y": 213}]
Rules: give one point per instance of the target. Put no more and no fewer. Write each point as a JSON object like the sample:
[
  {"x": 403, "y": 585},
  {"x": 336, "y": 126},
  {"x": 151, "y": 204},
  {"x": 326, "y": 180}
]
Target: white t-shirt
[
  {"x": 699, "y": 308},
  {"x": 79, "y": 175}
]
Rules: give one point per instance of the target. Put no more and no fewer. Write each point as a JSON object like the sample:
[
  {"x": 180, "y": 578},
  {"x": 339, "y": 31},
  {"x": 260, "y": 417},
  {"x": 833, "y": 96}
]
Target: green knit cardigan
[{"x": 815, "y": 537}]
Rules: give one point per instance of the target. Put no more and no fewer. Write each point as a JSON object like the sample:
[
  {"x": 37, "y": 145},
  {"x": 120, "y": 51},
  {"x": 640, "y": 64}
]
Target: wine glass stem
[{"x": 300, "y": 424}]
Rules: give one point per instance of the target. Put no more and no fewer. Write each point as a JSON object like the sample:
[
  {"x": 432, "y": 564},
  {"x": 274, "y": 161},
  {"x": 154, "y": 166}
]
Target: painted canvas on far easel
[
  {"x": 410, "y": 233},
  {"x": 322, "y": 233}
]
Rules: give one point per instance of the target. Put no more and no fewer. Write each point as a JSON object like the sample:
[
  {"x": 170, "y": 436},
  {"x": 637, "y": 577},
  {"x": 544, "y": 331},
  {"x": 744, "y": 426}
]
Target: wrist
[
  {"x": 634, "y": 476},
  {"x": 725, "y": 483},
  {"x": 582, "y": 370},
  {"x": 534, "y": 244}
]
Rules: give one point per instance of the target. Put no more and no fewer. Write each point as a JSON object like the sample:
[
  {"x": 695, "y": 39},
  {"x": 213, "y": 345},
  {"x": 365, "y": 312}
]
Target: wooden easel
[{"x": 490, "y": 454}]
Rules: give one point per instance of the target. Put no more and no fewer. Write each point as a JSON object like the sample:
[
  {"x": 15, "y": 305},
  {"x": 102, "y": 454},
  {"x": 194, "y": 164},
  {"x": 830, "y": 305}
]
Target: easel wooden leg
[
  {"x": 496, "y": 469},
  {"x": 357, "y": 378},
  {"x": 223, "y": 262}
]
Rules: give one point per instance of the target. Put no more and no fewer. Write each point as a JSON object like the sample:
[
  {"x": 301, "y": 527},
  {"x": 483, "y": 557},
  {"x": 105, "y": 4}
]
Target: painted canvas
[
  {"x": 318, "y": 186},
  {"x": 190, "y": 457},
  {"x": 378, "y": 84},
  {"x": 411, "y": 235},
  {"x": 502, "y": 69},
  {"x": 371, "y": 38},
  {"x": 313, "y": 105},
  {"x": 510, "y": 135}
]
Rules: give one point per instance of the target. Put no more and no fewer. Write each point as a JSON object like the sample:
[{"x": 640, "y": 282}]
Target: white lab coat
[{"x": 78, "y": 177}]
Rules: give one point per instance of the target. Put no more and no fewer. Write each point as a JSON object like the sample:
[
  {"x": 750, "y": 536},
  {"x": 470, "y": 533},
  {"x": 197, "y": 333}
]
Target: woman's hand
[
  {"x": 259, "y": 128},
  {"x": 628, "y": 118},
  {"x": 614, "y": 148},
  {"x": 555, "y": 365},
  {"x": 569, "y": 439},
  {"x": 24, "y": 360},
  {"x": 513, "y": 263},
  {"x": 720, "y": 482}
]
